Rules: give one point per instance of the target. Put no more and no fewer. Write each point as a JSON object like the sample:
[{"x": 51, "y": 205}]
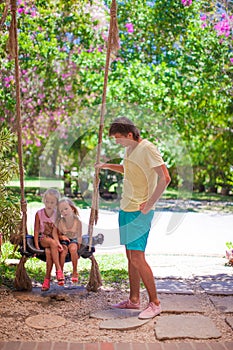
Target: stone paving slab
[
  {"x": 29, "y": 296},
  {"x": 123, "y": 324},
  {"x": 223, "y": 303},
  {"x": 56, "y": 293},
  {"x": 45, "y": 321},
  {"x": 185, "y": 326},
  {"x": 229, "y": 321},
  {"x": 55, "y": 288},
  {"x": 176, "y": 303},
  {"x": 217, "y": 287},
  {"x": 173, "y": 286},
  {"x": 114, "y": 314}
]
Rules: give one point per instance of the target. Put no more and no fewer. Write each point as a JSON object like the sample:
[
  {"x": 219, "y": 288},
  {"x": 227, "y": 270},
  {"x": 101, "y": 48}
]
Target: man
[{"x": 145, "y": 179}]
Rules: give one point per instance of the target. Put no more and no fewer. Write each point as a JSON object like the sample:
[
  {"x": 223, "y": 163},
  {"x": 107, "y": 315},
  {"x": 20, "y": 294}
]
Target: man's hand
[{"x": 145, "y": 207}]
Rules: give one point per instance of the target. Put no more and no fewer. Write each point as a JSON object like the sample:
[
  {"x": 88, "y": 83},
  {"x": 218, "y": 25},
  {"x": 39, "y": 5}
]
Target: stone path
[
  {"x": 183, "y": 311},
  {"x": 184, "y": 294}
]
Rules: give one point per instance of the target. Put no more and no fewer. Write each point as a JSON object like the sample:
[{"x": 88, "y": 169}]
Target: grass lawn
[
  {"x": 36, "y": 184},
  {"x": 113, "y": 268}
]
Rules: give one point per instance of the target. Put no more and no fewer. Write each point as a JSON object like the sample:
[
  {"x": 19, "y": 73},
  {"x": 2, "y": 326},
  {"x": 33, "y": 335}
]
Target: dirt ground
[{"x": 75, "y": 305}]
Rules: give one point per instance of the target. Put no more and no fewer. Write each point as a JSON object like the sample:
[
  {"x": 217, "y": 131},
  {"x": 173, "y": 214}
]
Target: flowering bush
[
  {"x": 229, "y": 253},
  {"x": 9, "y": 204},
  {"x": 186, "y": 2}
]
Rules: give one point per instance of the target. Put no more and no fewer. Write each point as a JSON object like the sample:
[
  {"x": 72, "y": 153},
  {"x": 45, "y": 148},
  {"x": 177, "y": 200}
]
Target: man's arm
[
  {"x": 114, "y": 167},
  {"x": 163, "y": 181}
]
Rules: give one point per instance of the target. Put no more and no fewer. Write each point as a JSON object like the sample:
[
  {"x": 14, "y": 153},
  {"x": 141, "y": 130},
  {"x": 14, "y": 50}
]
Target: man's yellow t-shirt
[{"x": 140, "y": 179}]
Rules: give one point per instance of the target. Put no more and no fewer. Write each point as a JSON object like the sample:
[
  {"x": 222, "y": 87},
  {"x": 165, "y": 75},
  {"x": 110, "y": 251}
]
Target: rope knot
[
  {"x": 114, "y": 34},
  {"x": 24, "y": 206},
  {"x": 13, "y": 6},
  {"x": 113, "y": 12}
]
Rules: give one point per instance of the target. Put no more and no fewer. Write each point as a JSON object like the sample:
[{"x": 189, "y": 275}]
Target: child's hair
[
  {"x": 51, "y": 192},
  {"x": 71, "y": 204}
]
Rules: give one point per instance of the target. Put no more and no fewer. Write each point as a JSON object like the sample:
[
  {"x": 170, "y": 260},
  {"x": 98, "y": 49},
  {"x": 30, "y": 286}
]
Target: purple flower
[
  {"x": 38, "y": 143},
  {"x": 29, "y": 142},
  {"x": 129, "y": 27},
  {"x": 33, "y": 13},
  {"x": 231, "y": 59},
  {"x": 203, "y": 17},
  {"x": 223, "y": 28},
  {"x": 186, "y": 2},
  {"x": 21, "y": 10}
]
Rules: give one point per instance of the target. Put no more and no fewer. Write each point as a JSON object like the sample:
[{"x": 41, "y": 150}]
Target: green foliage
[
  {"x": 229, "y": 245},
  {"x": 59, "y": 64},
  {"x": 7, "y": 275},
  {"x": 8, "y": 252},
  {"x": 35, "y": 268},
  {"x": 9, "y": 204},
  {"x": 182, "y": 71},
  {"x": 171, "y": 63}
]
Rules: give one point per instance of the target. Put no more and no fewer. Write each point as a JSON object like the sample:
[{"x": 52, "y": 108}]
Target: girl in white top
[
  {"x": 44, "y": 222},
  {"x": 69, "y": 231}
]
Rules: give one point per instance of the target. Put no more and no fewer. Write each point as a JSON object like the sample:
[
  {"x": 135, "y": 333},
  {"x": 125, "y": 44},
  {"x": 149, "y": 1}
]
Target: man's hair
[{"x": 124, "y": 126}]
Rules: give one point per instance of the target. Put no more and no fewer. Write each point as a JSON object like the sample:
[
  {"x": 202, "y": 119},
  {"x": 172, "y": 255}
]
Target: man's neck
[{"x": 133, "y": 145}]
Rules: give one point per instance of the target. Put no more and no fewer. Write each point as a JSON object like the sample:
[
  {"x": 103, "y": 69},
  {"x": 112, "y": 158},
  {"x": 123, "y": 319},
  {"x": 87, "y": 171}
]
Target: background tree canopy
[{"x": 175, "y": 61}]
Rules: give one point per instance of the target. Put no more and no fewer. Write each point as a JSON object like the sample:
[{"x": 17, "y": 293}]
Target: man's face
[{"x": 123, "y": 140}]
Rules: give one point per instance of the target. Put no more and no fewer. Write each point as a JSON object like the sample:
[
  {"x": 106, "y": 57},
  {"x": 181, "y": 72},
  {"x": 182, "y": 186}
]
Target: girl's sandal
[
  {"x": 60, "y": 276},
  {"x": 74, "y": 279},
  {"x": 45, "y": 285},
  {"x": 61, "y": 283}
]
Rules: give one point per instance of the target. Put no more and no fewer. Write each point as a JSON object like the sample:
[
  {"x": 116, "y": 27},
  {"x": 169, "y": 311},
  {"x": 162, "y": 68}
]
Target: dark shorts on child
[
  {"x": 67, "y": 243},
  {"x": 134, "y": 229}
]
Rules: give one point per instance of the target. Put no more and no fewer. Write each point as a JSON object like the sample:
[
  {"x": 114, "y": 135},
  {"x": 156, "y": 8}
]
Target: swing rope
[
  {"x": 112, "y": 46},
  {"x": 22, "y": 281},
  {"x": 13, "y": 51}
]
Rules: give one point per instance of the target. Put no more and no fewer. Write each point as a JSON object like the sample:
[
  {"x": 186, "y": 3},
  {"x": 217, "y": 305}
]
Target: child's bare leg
[
  {"x": 49, "y": 263},
  {"x": 74, "y": 258},
  {"x": 63, "y": 256},
  {"x": 48, "y": 242}
]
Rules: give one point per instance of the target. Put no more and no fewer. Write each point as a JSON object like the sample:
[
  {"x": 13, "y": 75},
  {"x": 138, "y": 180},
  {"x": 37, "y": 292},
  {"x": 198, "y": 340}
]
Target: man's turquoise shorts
[{"x": 134, "y": 229}]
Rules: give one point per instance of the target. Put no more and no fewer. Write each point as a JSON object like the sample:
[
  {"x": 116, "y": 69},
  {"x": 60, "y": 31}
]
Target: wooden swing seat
[{"x": 83, "y": 251}]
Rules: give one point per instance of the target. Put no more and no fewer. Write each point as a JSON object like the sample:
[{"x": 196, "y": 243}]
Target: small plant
[
  {"x": 8, "y": 252},
  {"x": 229, "y": 253},
  {"x": 9, "y": 204},
  {"x": 229, "y": 245}
]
